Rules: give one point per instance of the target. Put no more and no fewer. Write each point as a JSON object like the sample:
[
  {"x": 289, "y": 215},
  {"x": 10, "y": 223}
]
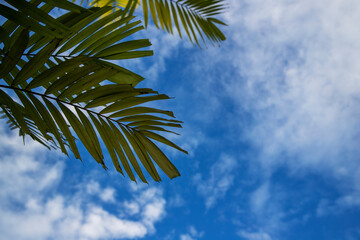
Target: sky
[{"x": 271, "y": 123}]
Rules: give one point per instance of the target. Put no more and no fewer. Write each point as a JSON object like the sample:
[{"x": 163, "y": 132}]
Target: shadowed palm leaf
[
  {"x": 56, "y": 83},
  {"x": 197, "y": 18}
]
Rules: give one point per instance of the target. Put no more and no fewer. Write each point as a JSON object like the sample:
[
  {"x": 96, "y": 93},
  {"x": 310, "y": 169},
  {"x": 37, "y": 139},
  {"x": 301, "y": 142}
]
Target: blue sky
[{"x": 271, "y": 123}]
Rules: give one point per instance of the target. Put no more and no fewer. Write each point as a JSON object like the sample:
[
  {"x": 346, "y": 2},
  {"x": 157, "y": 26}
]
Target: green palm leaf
[
  {"x": 58, "y": 88},
  {"x": 197, "y": 18}
]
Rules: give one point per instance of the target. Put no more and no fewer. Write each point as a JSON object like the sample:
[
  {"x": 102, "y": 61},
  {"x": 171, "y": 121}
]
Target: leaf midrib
[{"x": 65, "y": 102}]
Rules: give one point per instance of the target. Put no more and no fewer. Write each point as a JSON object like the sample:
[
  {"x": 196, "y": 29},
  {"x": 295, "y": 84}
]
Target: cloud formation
[
  {"x": 292, "y": 67},
  {"x": 254, "y": 235},
  {"x": 300, "y": 79},
  {"x": 192, "y": 234},
  {"x": 219, "y": 181},
  {"x": 30, "y": 209}
]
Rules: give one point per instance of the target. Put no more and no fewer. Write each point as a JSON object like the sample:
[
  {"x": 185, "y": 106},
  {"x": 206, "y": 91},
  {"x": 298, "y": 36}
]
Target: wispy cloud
[
  {"x": 176, "y": 201},
  {"x": 217, "y": 182},
  {"x": 107, "y": 194},
  {"x": 30, "y": 209},
  {"x": 346, "y": 202},
  {"x": 266, "y": 218},
  {"x": 259, "y": 198},
  {"x": 299, "y": 81},
  {"x": 254, "y": 235},
  {"x": 193, "y": 234},
  {"x": 292, "y": 67}
]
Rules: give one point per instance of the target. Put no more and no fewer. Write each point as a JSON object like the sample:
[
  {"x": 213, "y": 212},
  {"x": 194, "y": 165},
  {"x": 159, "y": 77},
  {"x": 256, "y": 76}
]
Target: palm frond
[
  {"x": 57, "y": 85},
  {"x": 198, "y": 19}
]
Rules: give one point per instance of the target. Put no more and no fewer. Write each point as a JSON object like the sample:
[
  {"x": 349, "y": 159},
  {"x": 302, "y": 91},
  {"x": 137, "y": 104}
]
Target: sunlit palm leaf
[
  {"x": 197, "y": 18},
  {"x": 58, "y": 86}
]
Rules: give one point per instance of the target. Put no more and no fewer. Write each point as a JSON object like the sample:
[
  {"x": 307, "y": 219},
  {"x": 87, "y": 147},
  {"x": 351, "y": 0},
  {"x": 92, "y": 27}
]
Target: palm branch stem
[
  {"x": 53, "y": 55},
  {"x": 65, "y": 102}
]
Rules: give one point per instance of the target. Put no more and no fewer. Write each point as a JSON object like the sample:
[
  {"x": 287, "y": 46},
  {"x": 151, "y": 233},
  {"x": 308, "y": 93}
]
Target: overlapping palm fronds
[
  {"x": 56, "y": 85},
  {"x": 198, "y": 19}
]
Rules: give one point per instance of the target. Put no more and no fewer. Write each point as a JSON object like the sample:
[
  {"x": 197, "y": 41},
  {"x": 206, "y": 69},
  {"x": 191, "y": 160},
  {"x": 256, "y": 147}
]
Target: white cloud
[
  {"x": 267, "y": 214},
  {"x": 132, "y": 207},
  {"x": 186, "y": 237},
  {"x": 152, "y": 212},
  {"x": 306, "y": 99},
  {"x": 254, "y": 235},
  {"x": 297, "y": 70},
  {"x": 293, "y": 67},
  {"x": 100, "y": 224},
  {"x": 259, "y": 198},
  {"x": 18, "y": 160},
  {"x": 31, "y": 207},
  {"x": 343, "y": 203},
  {"x": 176, "y": 200},
  {"x": 192, "y": 234},
  {"x": 93, "y": 187},
  {"x": 301, "y": 79},
  {"x": 106, "y": 194},
  {"x": 221, "y": 178}
]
